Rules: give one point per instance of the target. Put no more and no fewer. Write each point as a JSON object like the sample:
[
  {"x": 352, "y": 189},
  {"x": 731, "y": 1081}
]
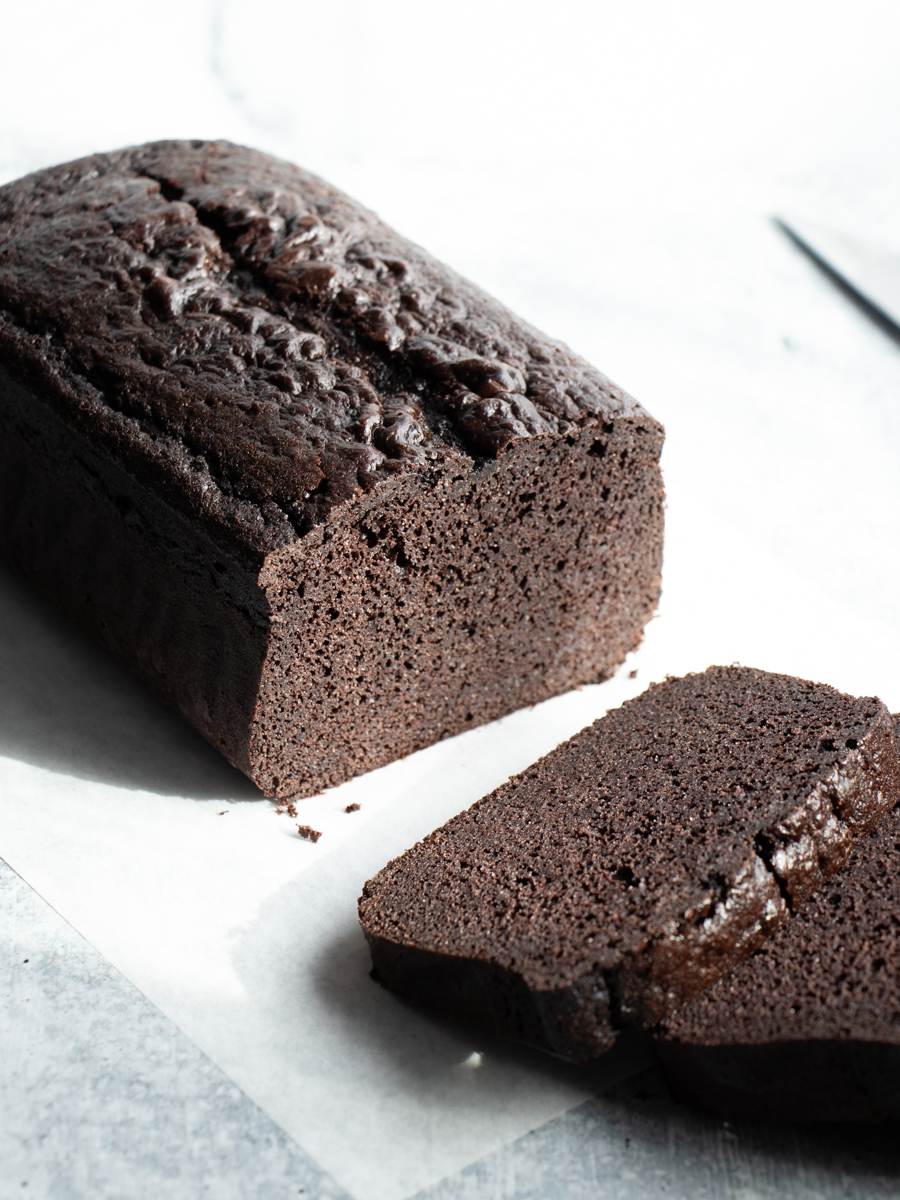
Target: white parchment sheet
[{"x": 246, "y": 936}]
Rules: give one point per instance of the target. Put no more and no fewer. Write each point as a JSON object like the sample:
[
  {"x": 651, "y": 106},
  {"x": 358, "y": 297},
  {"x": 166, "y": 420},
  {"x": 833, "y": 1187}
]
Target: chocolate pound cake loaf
[
  {"x": 808, "y": 1029},
  {"x": 639, "y": 862},
  {"x": 328, "y": 499}
]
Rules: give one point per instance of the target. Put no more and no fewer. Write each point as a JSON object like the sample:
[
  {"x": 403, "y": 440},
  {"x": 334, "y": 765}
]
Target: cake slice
[
  {"x": 808, "y": 1028},
  {"x": 637, "y": 863},
  {"x": 327, "y": 498}
]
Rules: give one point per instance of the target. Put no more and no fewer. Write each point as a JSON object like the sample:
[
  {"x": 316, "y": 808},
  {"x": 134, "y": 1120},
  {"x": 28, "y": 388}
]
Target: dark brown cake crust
[
  {"x": 326, "y": 497},
  {"x": 808, "y": 1028},
  {"x": 639, "y": 862}
]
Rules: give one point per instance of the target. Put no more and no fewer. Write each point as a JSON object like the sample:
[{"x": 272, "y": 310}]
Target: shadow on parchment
[
  {"x": 66, "y": 705},
  {"x": 374, "y": 1015},
  {"x": 365, "y": 1006}
]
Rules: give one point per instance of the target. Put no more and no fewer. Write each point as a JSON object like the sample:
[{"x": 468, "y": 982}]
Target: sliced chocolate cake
[
  {"x": 639, "y": 862},
  {"x": 327, "y": 498},
  {"x": 808, "y": 1028}
]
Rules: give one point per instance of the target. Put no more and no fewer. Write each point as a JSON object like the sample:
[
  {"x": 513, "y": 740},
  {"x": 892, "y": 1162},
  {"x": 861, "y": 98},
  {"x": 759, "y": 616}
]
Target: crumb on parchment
[
  {"x": 306, "y": 831},
  {"x": 352, "y": 808}
]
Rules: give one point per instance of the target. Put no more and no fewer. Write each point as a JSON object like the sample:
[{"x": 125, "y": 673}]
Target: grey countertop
[{"x": 102, "y": 1097}]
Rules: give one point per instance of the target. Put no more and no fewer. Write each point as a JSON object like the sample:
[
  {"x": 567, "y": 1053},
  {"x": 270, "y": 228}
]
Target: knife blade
[{"x": 871, "y": 272}]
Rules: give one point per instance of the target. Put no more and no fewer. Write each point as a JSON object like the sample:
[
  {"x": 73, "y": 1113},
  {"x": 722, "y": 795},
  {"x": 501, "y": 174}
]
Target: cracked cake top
[{"x": 257, "y": 345}]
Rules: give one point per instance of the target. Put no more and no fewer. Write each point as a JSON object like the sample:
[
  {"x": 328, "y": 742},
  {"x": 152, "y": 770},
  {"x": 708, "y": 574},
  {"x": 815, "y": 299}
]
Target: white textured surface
[{"x": 609, "y": 171}]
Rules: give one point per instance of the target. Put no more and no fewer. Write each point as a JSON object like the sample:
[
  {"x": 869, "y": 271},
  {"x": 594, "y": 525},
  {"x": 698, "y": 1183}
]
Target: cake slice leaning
[
  {"x": 636, "y": 864},
  {"x": 808, "y": 1028}
]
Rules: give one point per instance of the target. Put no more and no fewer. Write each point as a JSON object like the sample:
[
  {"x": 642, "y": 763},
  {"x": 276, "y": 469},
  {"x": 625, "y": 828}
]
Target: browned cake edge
[{"x": 848, "y": 1068}]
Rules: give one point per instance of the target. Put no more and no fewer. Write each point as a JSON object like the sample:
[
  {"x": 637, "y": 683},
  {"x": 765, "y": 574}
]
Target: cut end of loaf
[{"x": 450, "y": 604}]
